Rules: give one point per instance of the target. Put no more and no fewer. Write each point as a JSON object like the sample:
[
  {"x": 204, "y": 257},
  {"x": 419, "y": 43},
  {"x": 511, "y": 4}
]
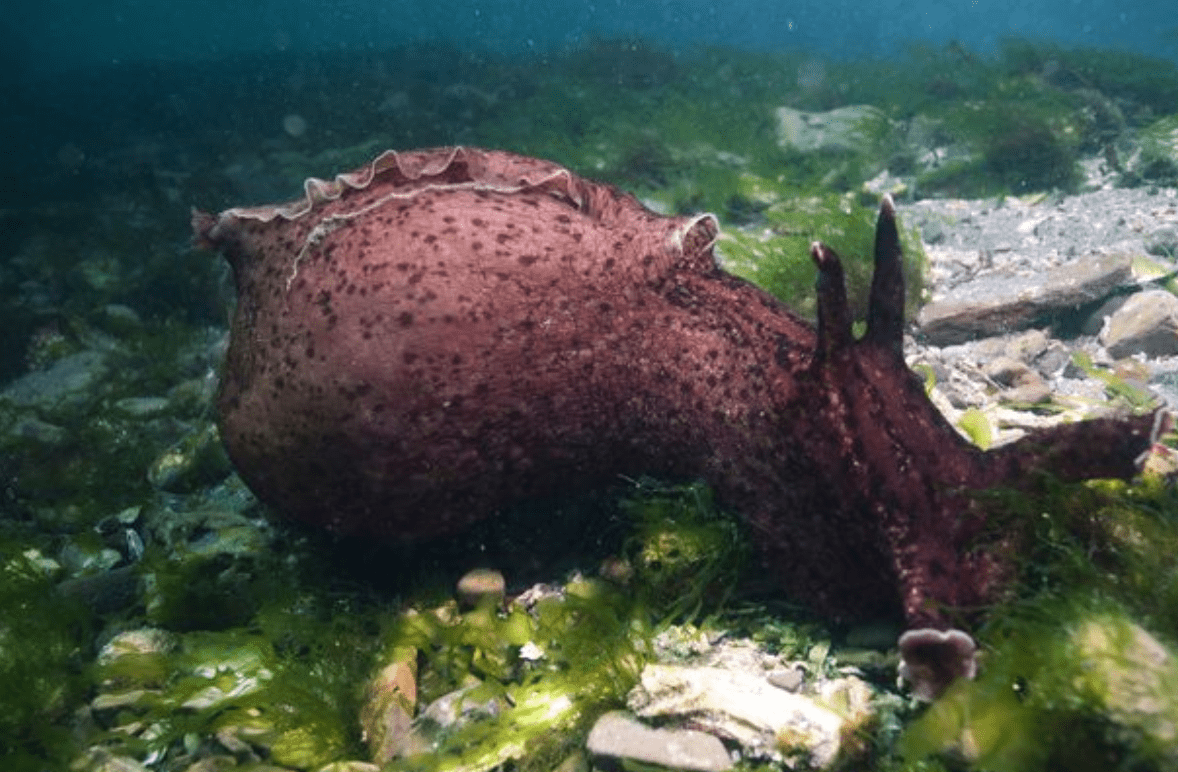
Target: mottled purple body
[{"x": 426, "y": 340}]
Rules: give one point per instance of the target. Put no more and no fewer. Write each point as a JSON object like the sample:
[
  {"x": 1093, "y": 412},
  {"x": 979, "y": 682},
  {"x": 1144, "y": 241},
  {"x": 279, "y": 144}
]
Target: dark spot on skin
[{"x": 406, "y": 319}]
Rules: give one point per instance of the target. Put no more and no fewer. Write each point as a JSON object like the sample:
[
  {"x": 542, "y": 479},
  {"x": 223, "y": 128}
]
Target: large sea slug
[{"x": 443, "y": 332}]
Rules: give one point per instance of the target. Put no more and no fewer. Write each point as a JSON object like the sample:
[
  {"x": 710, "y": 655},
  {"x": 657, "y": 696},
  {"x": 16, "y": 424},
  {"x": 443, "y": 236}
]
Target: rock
[
  {"x": 618, "y": 735},
  {"x": 1163, "y": 242},
  {"x": 101, "y": 760},
  {"x": 1003, "y": 302},
  {"x": 1147, "y": 324},
  {"x": 206, "y": 531},
  {"x": 851, "y": 129},
  {"x": 30, "y": 429},
  {"x": 462, "y": 706},
  {"x": 68, "y": 382},
  {"x": 194, "y": 462},
  {"x": 214, "y": 764},
  {"x": 1028, "y": 393},
  {"x": 482, "y": 586},
  {"x": 577, "y": 761},
  {"x": 105, "y": 592},
  {"x": 388, "y": 734},
  {"x": 1027, "y": 346},
  {"x": 790, "y": 679},
  {"x": 85, "y": 557},
  {"x": 1095, "y": 321},
  {"x": 143, "y": 407},
  {"x": 767, "y": 721},
  {"x": 1131, "y": 676},
  {"x": 133, "y": 668},
  {"x": 1053, "y": 360},
  {"x": 230, "y": 672},
  {"x": 1023, "y": 384},
  {"x": 1009, "y": 372},
  {"x": 387, "y": 714}
]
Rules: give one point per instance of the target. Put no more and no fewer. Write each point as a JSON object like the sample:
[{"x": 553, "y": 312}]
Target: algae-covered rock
[
  {"x": 1130, "y": 678},
  {"x": 390, "y": 702},
  {"x": 1156, "y": 159}
]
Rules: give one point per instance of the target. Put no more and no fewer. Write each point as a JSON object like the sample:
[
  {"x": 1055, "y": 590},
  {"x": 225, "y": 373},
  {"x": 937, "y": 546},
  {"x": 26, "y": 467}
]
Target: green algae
[
  {"x": 567, "y": 657},
  {"x": 1075, "y": 686},
  {"x": 1123, "y": 392},
  {"x": 1024, "y": 139},
  {"x": 778, "y": 260},
  {"x": 976, "y": 426},
  {"x": 687, "y": 555},
  {"x": 586, "y": 648},
  {"x": 1158, "y": 160},
  {"x": 43, "y": 646},
  {"x": 288, "y": 682},
  {"x": 263, "y": 653},
  {"x": 1079, "y": 667},
  {"x": 1145, "y": 82}
]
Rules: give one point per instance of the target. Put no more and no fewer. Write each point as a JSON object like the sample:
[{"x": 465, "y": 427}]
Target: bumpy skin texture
[{"x": 426, "y": 340}]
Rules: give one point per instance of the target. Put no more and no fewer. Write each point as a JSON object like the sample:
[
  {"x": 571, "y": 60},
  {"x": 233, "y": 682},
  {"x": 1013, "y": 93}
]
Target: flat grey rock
[
  {"x": 67, "y": 382},
  {"x": 1001, "y": 303},
  {"x": 618, "y": 735}
]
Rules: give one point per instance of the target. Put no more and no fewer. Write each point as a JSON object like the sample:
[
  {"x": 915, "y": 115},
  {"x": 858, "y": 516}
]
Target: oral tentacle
[{"x": 885, "y": 310}]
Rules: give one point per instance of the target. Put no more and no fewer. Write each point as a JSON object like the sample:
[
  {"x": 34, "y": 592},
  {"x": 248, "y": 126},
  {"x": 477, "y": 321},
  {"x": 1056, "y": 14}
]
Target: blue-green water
[{"x": 68, "y": 34}]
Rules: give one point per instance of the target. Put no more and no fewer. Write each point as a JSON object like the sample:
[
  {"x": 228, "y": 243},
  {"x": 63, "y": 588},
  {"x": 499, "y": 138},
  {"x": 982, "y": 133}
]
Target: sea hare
[{"x": 443, "y": 332}]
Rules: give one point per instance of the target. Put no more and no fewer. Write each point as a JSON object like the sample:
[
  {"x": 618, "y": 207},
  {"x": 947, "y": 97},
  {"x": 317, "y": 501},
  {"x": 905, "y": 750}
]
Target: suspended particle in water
[{"x": 294, "y": 125}]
